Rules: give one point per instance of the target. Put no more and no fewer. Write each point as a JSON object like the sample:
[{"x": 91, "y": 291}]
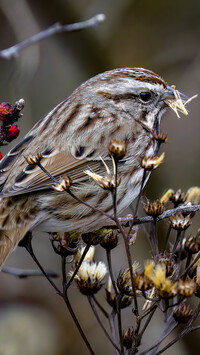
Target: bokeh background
[{"x": 160, "y": 35}]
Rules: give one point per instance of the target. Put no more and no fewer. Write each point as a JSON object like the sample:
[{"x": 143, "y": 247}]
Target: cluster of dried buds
[
  {"x": 158, "y": 280},
  {"x": 9, "y": 114}
]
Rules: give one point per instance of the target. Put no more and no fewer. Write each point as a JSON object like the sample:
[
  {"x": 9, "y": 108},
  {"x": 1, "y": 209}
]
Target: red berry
[
  {"x": 5, "y": 110},
  {"x": 13, "y": 133},
  {"x": 1, "y": 156}
]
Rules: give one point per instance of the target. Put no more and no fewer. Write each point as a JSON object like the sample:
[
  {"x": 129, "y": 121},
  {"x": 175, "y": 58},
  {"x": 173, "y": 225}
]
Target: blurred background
[{"x": 159, "y": 35}]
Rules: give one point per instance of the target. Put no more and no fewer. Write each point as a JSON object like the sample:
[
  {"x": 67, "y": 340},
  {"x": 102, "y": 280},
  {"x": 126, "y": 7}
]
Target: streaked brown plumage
[{"x": 72, "y": 138}]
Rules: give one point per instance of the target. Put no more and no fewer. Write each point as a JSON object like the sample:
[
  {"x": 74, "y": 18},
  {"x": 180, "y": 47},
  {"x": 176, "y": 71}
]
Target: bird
[{"x": 122, "y": 105}]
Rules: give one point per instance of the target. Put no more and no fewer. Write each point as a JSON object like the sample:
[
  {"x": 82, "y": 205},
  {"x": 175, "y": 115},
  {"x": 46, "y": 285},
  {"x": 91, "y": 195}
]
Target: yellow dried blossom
[
  {"x": 148, "y": 268},
  {"x": 193, "y": 195}
]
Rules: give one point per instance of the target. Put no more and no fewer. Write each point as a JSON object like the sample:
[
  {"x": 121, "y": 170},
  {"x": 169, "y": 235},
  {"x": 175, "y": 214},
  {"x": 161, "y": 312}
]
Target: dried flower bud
[
  {"x": 148, "y": 268},
  {"x": 66, "y": 244},
  {"x": 154, "y": 208},
  {"x": 186, "y": 288},
  {"x": 167, "y": 195},
  {"x": 192, "y": 244},
  {"x": 169, "y": 265},
  {"x": 89, "y": 277},
  {"x": 109, "y": 239},
  {"x": 33, "y": 159},
  {"x": 182, "y": 313},
  {"x": 160, "y": 137},
  {"x": 63, "y": 185},
  {"x": 106, "y": 183},
  {"x": 168, "y": 289},
  {"x": 193, "y": 195},
  {"x": 142, "y": 282},
  {"x": 91, "y": 238},
  {"x": 89, "y": 256},
  {"x": 117, "y": 149},
  {"x": 177, "y": 197},
  {"x": 165, "y": 288},
  {"x": 111, "y": 299},
  {"x": 151, "y": 163},
  {"x": 179, "y": 222},
  {"x": 124, "y": 281},
  {"x": 128, "y": 338}
]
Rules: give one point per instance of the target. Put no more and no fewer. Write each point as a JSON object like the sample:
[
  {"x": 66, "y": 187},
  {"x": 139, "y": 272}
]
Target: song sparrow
[{"x": 123, "y": 104}]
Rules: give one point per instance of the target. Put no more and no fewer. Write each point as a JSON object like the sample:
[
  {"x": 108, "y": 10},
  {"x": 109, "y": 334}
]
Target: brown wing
[{"x": 30, "y": 178}]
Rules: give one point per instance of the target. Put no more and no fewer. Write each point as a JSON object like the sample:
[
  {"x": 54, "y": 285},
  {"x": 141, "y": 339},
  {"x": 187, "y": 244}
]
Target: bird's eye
[{"x": 145, "y": 96}]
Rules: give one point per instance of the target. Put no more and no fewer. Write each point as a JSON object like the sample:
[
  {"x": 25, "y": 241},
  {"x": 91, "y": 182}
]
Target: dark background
[{"x": 160, "y": 35}]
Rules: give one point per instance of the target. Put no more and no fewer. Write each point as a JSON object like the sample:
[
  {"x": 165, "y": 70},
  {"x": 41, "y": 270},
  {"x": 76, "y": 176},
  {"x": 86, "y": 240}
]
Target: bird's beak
[
  {"x": 170, "y": 94},
  {"x": 176, "y": 100}
]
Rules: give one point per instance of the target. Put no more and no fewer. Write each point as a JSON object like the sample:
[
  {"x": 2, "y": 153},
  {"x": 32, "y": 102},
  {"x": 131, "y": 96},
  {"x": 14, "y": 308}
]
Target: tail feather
[{"x": 9, "y": 240}]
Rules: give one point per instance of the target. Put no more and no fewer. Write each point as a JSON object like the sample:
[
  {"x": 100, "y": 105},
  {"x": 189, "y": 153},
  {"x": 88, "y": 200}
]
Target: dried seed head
[
  {"x": 92, "y": 238},
  {"x": 128, "y": 338},
  {"x": 142, "y": 282},
  {"x": 124, "y": 281},
  {"x": 33, "y": 159},
  {"x": 63, "y": 184},
  {"x": 182, "y": 313},
  {"x": 108, "y": 182},
  {"x": 192, "y": 244},
  {"x": 66, "y": 244},
  {"x": 179, "y": 222},
  {"x": 111, "y": 299},
  {"x": 168, "y": 289},
  {"x": 109, "y": 239},
  {"x": 167, "y": 195},
  {"x": 169, "y": 264},
  {"x": 177, "y": 197},
  {"x": 186, "y": 288},
  {"x": 160, "y": 137},
  {"x": 165, "y": 288},
  {"x": 148, "y": 268},
  {"x": 151, "y": 163},
  {"x": 154, "y": 208},
  {"x": 89, "y": 256},
  {"x": 193, "y": 195},
  {"x": 89, "y": 277},
  {"x": 117, "y": 149}
]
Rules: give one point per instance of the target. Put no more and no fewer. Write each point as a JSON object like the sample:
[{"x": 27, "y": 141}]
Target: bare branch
[{"x": 13, "y": 51}]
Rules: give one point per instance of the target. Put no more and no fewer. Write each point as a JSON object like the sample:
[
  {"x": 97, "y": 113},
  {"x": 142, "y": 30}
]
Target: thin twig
[
  {"x": 13, "y": 51},
  {"x": 78, "y": 266},
  {"x": 91, "y": 302},
  {"x": 68, "y": 304},
  {"x": 23, "y": 273},
  {"x": 117, "y": 298}
]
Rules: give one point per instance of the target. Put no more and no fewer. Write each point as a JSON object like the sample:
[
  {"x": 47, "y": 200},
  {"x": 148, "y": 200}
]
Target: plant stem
[
  {"x": 91, "y": 302},
  {"x": 78, "y": 266},
  {"x": 68, "y": 304}
]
